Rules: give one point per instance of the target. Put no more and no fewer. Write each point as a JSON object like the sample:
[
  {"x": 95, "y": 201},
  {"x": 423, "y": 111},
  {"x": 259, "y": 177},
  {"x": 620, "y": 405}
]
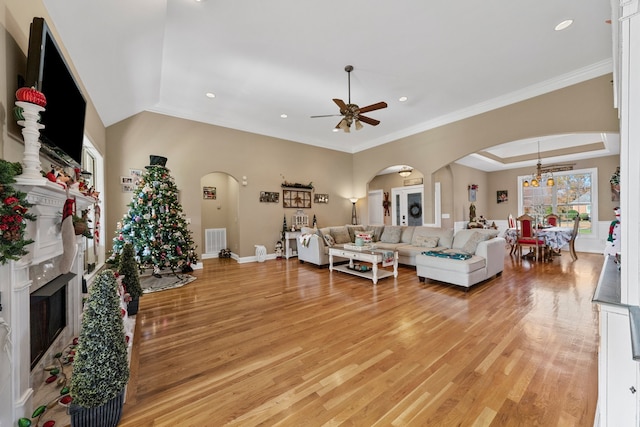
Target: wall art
[{"x": 269, "y": 196}]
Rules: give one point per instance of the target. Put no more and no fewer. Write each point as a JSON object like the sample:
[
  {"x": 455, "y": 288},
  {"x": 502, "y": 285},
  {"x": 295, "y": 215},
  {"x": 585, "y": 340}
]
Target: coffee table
[{"x": 372, "y": 256}]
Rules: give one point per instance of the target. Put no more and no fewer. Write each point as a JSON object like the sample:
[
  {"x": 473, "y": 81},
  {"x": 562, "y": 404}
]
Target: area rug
[{"x": 165, "y": 281}]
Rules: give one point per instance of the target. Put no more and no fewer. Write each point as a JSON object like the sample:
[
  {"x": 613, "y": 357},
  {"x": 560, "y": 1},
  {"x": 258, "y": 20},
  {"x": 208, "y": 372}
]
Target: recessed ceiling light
[
  {"x": 564, "y": 25},
  {"x": 284, "y": 116},
  {"x": 402, "y": 99},
  {"x": 210, "y": 95}
]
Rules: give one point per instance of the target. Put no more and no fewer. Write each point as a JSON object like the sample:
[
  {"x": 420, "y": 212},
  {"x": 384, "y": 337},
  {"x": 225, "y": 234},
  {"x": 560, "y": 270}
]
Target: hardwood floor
[{"x": 284, "y": 343}]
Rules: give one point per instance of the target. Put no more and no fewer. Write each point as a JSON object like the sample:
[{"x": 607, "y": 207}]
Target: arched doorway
[
  {"x": 219, "y": 214},
  {"x": 395, "y": 196}
]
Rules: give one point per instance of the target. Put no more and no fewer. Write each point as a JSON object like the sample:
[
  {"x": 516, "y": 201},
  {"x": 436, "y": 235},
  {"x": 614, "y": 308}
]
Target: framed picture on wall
[
  {"x": 209, "y": 193},
  {"x": 321, "y": 198},
  {"x": 269, "y": 197},
  {"x": 298, "y": 199},
  {"x": 502, "y": 196}
]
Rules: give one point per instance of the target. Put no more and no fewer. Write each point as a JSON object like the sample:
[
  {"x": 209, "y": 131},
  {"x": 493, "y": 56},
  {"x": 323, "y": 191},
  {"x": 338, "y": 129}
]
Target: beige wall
[
  {"x": 223, "y": 211},
  {"x": 195, "y": 150},
  {"x": 584, "y": 107}
]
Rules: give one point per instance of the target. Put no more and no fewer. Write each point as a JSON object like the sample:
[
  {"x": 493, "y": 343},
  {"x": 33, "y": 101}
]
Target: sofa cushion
[
  {"x": 426, "y": 241},
  {"x": 328, "y": 240},
  {"x": 340, "y": 235},
  {"x": 464, "y": 266},
  {"x": 353, "y": 229},
  {"x": 391, "y": 234},
  {"x": 462, "y": 236},
  {"x": 472, "y": 243},
  {"x": 444, "y": 235},
  {"x": 377, "y": 231},
  {"x": 407, "y": 234}
]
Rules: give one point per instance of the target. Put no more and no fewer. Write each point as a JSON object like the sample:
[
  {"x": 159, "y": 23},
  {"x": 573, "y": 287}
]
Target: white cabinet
[{"x": 618, "y": 372}]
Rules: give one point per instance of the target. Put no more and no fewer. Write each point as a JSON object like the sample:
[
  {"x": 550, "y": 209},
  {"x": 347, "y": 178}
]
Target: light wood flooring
[{"x": 284, "y": 343}]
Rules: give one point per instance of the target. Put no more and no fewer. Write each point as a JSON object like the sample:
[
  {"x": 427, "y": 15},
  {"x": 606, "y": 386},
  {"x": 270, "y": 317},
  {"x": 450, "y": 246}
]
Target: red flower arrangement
[{"x": 14, "y": 209}]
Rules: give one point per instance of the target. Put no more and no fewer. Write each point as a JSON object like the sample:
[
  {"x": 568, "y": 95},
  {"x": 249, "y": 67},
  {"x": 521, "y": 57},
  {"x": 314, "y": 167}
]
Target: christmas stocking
[{"x": 69, "y": 242}]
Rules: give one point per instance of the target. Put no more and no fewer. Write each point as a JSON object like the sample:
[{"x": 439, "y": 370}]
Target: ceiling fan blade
[
  {"x": 340, "y": 103},
  {"x": 368, "y": 120},
  {"x": 327, "y": 115},
  {"x": 373, "y": 107}
]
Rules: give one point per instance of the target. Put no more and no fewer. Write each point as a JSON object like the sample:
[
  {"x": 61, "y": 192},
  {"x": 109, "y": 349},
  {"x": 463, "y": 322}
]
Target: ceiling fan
[{"x": 352, "y": 114}]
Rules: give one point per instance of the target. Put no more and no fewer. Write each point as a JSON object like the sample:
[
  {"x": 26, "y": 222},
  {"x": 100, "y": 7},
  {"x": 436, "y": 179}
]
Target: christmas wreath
[
  {"x": 415, "y": 210},
  {"x": 13, "y": 212}
]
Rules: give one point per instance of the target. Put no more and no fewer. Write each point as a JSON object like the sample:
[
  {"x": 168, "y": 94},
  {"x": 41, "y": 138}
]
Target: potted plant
[
  {"x": 128, "y": 269},
  {"x": 100, "y": 367}
]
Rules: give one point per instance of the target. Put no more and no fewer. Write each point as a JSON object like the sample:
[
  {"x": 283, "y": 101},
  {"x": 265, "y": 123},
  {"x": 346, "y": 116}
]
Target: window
[{"x": 574, "y": 193}]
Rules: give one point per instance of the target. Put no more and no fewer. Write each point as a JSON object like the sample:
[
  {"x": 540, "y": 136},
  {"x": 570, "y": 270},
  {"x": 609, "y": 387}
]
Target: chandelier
[{"x": 540, "y": 175}]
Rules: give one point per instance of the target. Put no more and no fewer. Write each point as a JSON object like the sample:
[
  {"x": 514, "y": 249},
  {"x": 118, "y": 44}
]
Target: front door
[{"x": 407, "y": 205}]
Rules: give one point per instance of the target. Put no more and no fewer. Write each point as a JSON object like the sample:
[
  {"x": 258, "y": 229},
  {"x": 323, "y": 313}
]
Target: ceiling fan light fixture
[{"x": 358, "y": 125}]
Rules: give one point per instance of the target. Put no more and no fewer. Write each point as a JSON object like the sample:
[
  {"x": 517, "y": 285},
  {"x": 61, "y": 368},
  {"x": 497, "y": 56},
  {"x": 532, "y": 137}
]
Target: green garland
[{"x": 13, "y": 213}]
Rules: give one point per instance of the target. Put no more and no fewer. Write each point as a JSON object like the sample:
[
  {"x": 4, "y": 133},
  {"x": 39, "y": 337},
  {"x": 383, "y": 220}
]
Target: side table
[{"x": 289, "y": 249}]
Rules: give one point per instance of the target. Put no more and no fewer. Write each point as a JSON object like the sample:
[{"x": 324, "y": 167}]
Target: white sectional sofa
[
  {"x": 409, "y": 241},
  {"x": 486, "y": 249},
  {"x": 486, "y": 260}
]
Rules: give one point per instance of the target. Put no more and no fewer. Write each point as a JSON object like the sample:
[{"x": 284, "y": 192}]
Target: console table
[{"x": 289, "y": 249}]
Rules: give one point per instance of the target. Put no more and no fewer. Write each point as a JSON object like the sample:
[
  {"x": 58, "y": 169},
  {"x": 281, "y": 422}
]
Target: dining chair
[
  {"x": 511, "y": 222},
  {"x": 574, "y": 234},
  {"x": 552, "y": 219},
  {"x": 527, "y": 236}
]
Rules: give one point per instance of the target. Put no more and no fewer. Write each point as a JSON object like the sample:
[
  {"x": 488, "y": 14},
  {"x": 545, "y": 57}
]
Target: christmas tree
[{"x": 155, "y": 224}]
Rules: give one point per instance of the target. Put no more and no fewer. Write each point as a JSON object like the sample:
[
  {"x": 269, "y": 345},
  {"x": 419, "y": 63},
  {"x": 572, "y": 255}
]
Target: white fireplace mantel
[{"x": 17, "y": 380}]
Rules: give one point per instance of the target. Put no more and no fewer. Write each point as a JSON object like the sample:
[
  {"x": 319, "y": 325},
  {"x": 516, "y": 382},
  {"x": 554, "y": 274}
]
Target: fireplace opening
[{"x": 48, "y": 308}]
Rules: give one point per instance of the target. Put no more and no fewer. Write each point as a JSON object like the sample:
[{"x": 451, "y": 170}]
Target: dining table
[{"x": 555, "y": 238}]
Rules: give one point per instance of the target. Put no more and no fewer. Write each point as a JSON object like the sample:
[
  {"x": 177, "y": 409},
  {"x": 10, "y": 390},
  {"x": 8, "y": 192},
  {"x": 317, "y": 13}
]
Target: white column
[{"x": 31, "y": 135}]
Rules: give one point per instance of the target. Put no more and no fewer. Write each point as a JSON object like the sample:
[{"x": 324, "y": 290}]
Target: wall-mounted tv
[{"x": 64, "y": 115}]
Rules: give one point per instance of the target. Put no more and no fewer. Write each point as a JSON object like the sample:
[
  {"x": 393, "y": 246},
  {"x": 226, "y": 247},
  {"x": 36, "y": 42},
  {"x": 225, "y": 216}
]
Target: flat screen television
[{"x": 64, "y": 114}]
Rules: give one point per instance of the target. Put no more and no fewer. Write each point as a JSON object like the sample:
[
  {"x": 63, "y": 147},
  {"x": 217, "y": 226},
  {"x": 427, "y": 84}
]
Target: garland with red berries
[{"x": 13, "y": 213}]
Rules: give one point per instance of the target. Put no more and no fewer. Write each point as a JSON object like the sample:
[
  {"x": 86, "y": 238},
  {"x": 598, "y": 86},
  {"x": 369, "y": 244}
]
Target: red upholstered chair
[
  {"x": 552, "y": 219},
  {"x": 527, "y": 236}
]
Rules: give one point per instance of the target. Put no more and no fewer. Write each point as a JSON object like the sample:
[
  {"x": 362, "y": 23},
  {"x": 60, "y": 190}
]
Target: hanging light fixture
[
  {"x": 405, "y": 171},
  {"x": 539, "y": 176}
]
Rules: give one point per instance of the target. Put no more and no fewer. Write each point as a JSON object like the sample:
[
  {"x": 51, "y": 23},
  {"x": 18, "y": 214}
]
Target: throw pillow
[
  {"x": 353, "y": 230},
  {"x": 426, "y": 241},
  {"x": 376, "y": 231},
  {"x": 472, "y": 243},
  {"x": 340, "y": 235},
  {"x": 328, "y": 240},
  {"x": 391, "y": 234}
]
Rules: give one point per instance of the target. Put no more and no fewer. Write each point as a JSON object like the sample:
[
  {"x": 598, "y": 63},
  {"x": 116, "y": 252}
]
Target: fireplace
[
  {"x": 48, "y": 315},
  {"x": 41, "y": 306}
]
